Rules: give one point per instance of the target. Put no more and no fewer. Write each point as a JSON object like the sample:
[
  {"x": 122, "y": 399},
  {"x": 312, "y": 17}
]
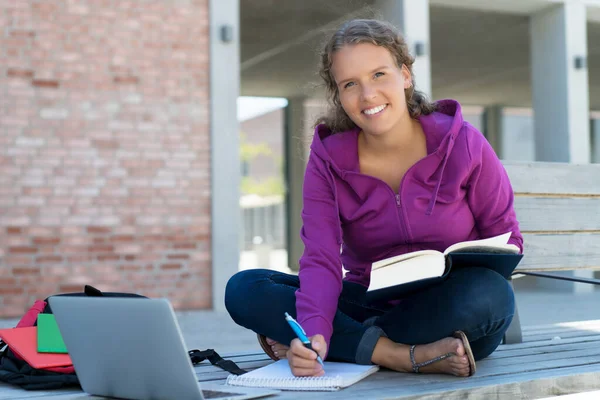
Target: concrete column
[
  {"x": 560, "y": 83},
  {"x": 595, "y": 141},
  {"x": 412, "y": 18},
  {"x": 560, "y": 89},
  {"x": 295, "y": 156},
  {"x": 224, "y": 134},
  {"x": 493, "y": 128}
]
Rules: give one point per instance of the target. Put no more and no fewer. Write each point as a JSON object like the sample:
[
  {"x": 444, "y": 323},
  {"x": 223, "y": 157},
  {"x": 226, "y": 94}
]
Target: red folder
[{"x": 23, "y": 342}]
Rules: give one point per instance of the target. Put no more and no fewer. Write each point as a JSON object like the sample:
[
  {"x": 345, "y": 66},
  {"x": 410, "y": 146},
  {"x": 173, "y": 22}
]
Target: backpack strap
[{"x": 198, "y": 356}]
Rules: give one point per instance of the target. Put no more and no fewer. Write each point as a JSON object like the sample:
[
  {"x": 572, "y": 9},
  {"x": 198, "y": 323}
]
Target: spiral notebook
[{"x": 279, "y": 376}]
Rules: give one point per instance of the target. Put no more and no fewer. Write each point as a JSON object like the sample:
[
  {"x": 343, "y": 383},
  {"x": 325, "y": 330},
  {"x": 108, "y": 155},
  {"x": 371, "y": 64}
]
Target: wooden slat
[
  {"x": 547, "y": 214},
  {"x": 545, "y": 252},
  {"x": 545, "y": 342},
  {"x": 554, "y": 178},
  {"x": 555, "y": 347}
]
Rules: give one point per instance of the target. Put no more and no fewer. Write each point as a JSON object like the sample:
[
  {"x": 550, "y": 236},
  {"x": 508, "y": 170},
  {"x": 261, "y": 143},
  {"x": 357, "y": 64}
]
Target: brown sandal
[
  {"x": 262, "y": 340},
  {"x": 469, "y": 353}
]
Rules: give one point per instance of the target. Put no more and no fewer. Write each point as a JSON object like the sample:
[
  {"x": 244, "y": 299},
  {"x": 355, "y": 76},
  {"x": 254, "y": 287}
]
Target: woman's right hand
[{"x": 303, "y": 361}]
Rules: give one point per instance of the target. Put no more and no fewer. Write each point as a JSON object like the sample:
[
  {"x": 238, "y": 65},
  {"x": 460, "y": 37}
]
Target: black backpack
[{"x": 16, "y": 371}]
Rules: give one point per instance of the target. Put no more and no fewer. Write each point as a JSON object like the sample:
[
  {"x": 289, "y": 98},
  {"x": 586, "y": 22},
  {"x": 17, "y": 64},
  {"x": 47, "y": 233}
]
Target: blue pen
[{"x": 302, "y": 335}]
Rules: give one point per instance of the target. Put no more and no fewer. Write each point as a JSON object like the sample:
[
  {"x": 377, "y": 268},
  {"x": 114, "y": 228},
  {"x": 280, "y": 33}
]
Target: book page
[
  {"x": 499, "y": 242},
  {"x": 428, "y": 265},
  {"x": 402, "y": 257}
]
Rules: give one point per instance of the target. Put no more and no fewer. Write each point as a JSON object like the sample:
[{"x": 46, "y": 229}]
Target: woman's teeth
[{"x": 375, "y": 110}]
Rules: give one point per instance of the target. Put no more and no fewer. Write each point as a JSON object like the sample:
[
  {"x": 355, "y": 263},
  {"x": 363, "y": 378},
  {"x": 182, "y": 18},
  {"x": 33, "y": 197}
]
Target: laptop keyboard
[{"x": 215, "y": 394}]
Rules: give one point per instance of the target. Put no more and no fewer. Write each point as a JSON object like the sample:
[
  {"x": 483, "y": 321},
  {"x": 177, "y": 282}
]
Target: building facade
[
  {"x": 105, "y": 157},
  {"x": 119, "y": 156}
]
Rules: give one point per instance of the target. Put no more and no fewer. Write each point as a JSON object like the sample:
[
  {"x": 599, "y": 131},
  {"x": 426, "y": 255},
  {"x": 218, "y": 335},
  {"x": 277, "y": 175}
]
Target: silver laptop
[{"x": 132, "y": 348}]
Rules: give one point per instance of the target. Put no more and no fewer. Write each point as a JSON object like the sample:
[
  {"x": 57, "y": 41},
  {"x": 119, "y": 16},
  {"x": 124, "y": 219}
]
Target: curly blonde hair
[{"x": 379, "y": 33}]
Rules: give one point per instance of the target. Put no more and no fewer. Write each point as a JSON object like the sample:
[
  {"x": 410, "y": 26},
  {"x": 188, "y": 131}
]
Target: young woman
[{"x": 388, "y": 173}]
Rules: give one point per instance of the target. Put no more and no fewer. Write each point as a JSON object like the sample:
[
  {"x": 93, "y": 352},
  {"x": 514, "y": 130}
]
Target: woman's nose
[{"x": 368, "y": 93}]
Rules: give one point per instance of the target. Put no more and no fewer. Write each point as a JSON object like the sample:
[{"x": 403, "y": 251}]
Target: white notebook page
[{"x": 279, "y": 376}]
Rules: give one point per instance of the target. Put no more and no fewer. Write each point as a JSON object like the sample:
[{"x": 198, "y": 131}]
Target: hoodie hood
[{"x": 441, "y": 129}]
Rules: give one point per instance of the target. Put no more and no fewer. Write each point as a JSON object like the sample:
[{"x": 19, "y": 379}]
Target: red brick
[
  {"x": 123, "y": 238},
  {"x": 19, "y": 73},
  {"x": 170, "y": 266},
  {"x": 98, "y": 230},
  {"x": 108, "y": 257},
  {"x": 57, "y": 270},
  {"x": 18, "y": 260},
  {"x": 101, "y": 249},
  {"x": 4, "y": 281},
  {"x": 178, "y": 256},
  {"x": 11, "y": 230},
  {"x": 46, "y": 83},
  {"x": 79, "y": 258},
  {"x": 106, "y": 144},
  {"x": 22, "y": 250},
  {"x": 188, "y": 246},
  {"x": 125, "y": 267},
  {"x": 49, "y": 259},
  {"x": 70, "y": 288},
  {"x": 126, "y": 80},
  {"x": 11, "y": 290},
  {"x": 46, "y": 240},
  {"x": 26, "y": 271}
]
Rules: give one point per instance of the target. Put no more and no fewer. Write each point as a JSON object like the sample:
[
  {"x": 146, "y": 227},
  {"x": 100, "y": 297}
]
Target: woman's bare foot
[
  {"x": 457, "y": 364},
  {"x": 279, "y": 349},
  {"x": 397, "y": 356}
]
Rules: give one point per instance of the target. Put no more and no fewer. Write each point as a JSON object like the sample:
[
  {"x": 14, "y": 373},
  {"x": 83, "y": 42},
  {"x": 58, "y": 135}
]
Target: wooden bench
[{"x": 558, "y": 206}]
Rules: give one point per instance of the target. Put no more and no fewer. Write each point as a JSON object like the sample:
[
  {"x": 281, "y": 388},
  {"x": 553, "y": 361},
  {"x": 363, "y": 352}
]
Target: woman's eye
[
  {"x": 349, "y": 84},
  {"x": 378, "y": 74}
]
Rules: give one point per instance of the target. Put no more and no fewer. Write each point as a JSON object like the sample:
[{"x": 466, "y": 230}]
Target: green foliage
[
  {"x": 271, "y": 186},
  {"x": 249, "y": 185},
  {"x": 249, "y": 151}
]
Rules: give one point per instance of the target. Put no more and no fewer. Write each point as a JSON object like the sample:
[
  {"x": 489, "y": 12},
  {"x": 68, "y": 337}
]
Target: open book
[
  {"x": 279, "y": 376},
  {"x": 408, "y": 272}
]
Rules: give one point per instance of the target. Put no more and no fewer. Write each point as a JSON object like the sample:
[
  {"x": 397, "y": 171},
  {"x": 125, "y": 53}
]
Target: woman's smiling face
[{"x": 371, "y": 87}]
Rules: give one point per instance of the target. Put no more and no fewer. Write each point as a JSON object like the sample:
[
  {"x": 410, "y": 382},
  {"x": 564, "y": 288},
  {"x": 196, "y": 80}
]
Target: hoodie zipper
[
  {"x": 397, "y": 200},
  {"x": 397, "y": 197}
]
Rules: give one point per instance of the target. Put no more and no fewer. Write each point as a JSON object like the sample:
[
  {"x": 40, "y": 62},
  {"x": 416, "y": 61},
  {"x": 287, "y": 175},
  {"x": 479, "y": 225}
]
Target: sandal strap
[{"x": 416, "y": 366}]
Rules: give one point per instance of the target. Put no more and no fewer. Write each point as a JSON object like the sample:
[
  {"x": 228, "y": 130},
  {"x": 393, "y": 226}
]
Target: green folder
[{"x": 49, "y": 339}]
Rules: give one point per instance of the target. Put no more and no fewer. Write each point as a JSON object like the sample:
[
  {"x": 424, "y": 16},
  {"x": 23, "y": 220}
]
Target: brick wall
[{"x": 104, "y": 149}]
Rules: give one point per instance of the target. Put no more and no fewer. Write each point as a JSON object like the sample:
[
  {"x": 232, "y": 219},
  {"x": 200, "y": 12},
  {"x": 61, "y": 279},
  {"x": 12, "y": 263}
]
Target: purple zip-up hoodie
[{"x": 459, "y": 191}]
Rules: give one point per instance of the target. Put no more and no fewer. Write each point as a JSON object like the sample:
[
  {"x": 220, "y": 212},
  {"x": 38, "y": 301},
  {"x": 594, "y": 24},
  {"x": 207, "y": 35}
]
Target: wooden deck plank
[
  {"x": 562, "y": 336},
  {"x": 545, "y": 342},
  {"x": 557, "y": 348}
]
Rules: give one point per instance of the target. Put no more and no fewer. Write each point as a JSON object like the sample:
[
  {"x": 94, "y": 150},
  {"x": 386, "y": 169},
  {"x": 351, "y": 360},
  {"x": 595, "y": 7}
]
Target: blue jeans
[{"x": 477, "y": 301}]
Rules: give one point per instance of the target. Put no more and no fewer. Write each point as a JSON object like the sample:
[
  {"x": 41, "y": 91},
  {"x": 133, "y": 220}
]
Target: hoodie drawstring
[{"x": 439, "y": 182}]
